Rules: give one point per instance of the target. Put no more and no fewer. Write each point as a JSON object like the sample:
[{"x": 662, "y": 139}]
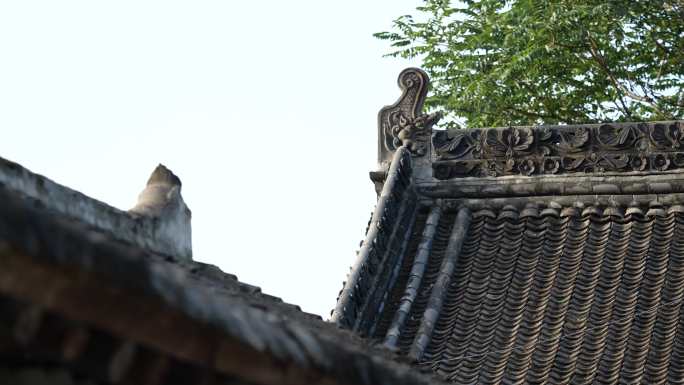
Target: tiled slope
[
  {"x": 37, "y": 243},
  {"x": 550, "y": 295}
]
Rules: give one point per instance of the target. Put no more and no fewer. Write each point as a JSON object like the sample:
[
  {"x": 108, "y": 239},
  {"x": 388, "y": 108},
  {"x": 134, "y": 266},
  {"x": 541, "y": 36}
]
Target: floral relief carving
[
  {"x": 403, "y": 123},
  {"x": 572, "y": 140},
  {"x": 638, "y": 162},
  {"x": 458, "y": 143},
  {"x": 407, "y": 130},
  {"x": 667, "y": 136},
  {"x": 526, "y": 167},
  {"x": 616, "y": 137},
  {"x": 548, "y": 150},
  {"x": 551, "y": 166},
  {"x": 678, "y": 159},
  {"x": 661, "y": 162},
  {"x": 509, "y": 141}
]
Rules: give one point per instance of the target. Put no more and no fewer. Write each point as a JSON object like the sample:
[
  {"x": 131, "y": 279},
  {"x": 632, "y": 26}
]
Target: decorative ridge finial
[
  {"x": 161, "y": 201},
  {"x": 403, "y": 122},
  {"x": 160, "y": 194},
  {"x": 162, "y": 175}
]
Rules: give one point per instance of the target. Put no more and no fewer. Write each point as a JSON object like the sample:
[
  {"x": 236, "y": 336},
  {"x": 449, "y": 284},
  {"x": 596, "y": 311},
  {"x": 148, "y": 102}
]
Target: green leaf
[{"x": 496, "y": 62}]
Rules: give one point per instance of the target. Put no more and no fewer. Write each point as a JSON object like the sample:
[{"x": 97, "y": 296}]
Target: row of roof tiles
[
  {"x": 555, "y": 298},
  {"x": 534, "y": 210}
]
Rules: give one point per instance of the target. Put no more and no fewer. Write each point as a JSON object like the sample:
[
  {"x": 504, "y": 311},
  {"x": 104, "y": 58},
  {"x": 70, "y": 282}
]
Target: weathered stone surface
[
  {"x": 161, "y": 202},
  {"x": 568, "y": 270},
  {"x": 527, "y": 160},
  {"x": 552, "y": 150},
  {"x": 186, "y": 310},
  {"x": 403, "y": 123},
  {"x": 168, "y": 237}
]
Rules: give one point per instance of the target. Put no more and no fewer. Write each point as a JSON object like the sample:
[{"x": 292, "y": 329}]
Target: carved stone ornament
[
  {"x": 545, "y": 150},
  {"x": 403, "y": 123}
]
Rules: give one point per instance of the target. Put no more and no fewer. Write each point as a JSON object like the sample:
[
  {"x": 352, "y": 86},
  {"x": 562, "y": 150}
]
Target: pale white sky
[{"x": 265, "y": 109}]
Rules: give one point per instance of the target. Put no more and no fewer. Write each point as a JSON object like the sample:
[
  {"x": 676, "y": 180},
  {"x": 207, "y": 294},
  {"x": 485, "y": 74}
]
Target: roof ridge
[{"x": 651, "y": 147}]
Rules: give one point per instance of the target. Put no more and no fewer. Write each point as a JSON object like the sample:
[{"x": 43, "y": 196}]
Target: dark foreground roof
[
  {"x": 73, "y": 297},
  {"x": 551, "y": 254}
]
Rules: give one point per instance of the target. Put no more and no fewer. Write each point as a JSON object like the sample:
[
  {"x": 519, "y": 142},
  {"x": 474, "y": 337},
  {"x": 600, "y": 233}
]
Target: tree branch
[
  {"x": 534, "y": 114},
  {"x": 593, "y": 49}
]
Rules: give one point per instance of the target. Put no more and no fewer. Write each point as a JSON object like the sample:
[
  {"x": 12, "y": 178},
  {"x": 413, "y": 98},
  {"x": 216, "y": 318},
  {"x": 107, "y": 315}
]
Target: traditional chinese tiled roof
[
  {"x": 551, "y": 254},
  {"x": 540, "y": 293},
  {"x": 75, "y": 300}
]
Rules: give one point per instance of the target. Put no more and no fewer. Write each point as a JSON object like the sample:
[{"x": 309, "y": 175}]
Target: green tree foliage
[{"x": 520, "y": 62}]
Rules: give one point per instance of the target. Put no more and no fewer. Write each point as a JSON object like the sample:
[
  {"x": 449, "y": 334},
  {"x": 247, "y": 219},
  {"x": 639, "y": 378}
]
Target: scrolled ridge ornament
[{"x": 403, "y": 123}]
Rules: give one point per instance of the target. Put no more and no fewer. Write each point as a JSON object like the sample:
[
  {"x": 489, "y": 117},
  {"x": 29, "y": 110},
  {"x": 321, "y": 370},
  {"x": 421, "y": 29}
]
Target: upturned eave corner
[{"x": 404, "y": 123}]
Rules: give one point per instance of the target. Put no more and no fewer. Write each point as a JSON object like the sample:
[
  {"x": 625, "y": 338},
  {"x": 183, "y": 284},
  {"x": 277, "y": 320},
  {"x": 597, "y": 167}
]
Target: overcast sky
[{"x": 266, "y": 110}]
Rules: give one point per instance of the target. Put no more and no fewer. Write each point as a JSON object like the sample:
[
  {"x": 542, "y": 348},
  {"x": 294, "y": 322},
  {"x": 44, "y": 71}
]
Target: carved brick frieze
[
  {"x": 403, "y": 123},
  {"x": 544, "y": 150}
]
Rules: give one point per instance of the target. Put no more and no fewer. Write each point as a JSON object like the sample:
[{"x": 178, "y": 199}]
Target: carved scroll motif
[
  {"x": 597, "y": 148},
  {"x": 403, "y": 123}
]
